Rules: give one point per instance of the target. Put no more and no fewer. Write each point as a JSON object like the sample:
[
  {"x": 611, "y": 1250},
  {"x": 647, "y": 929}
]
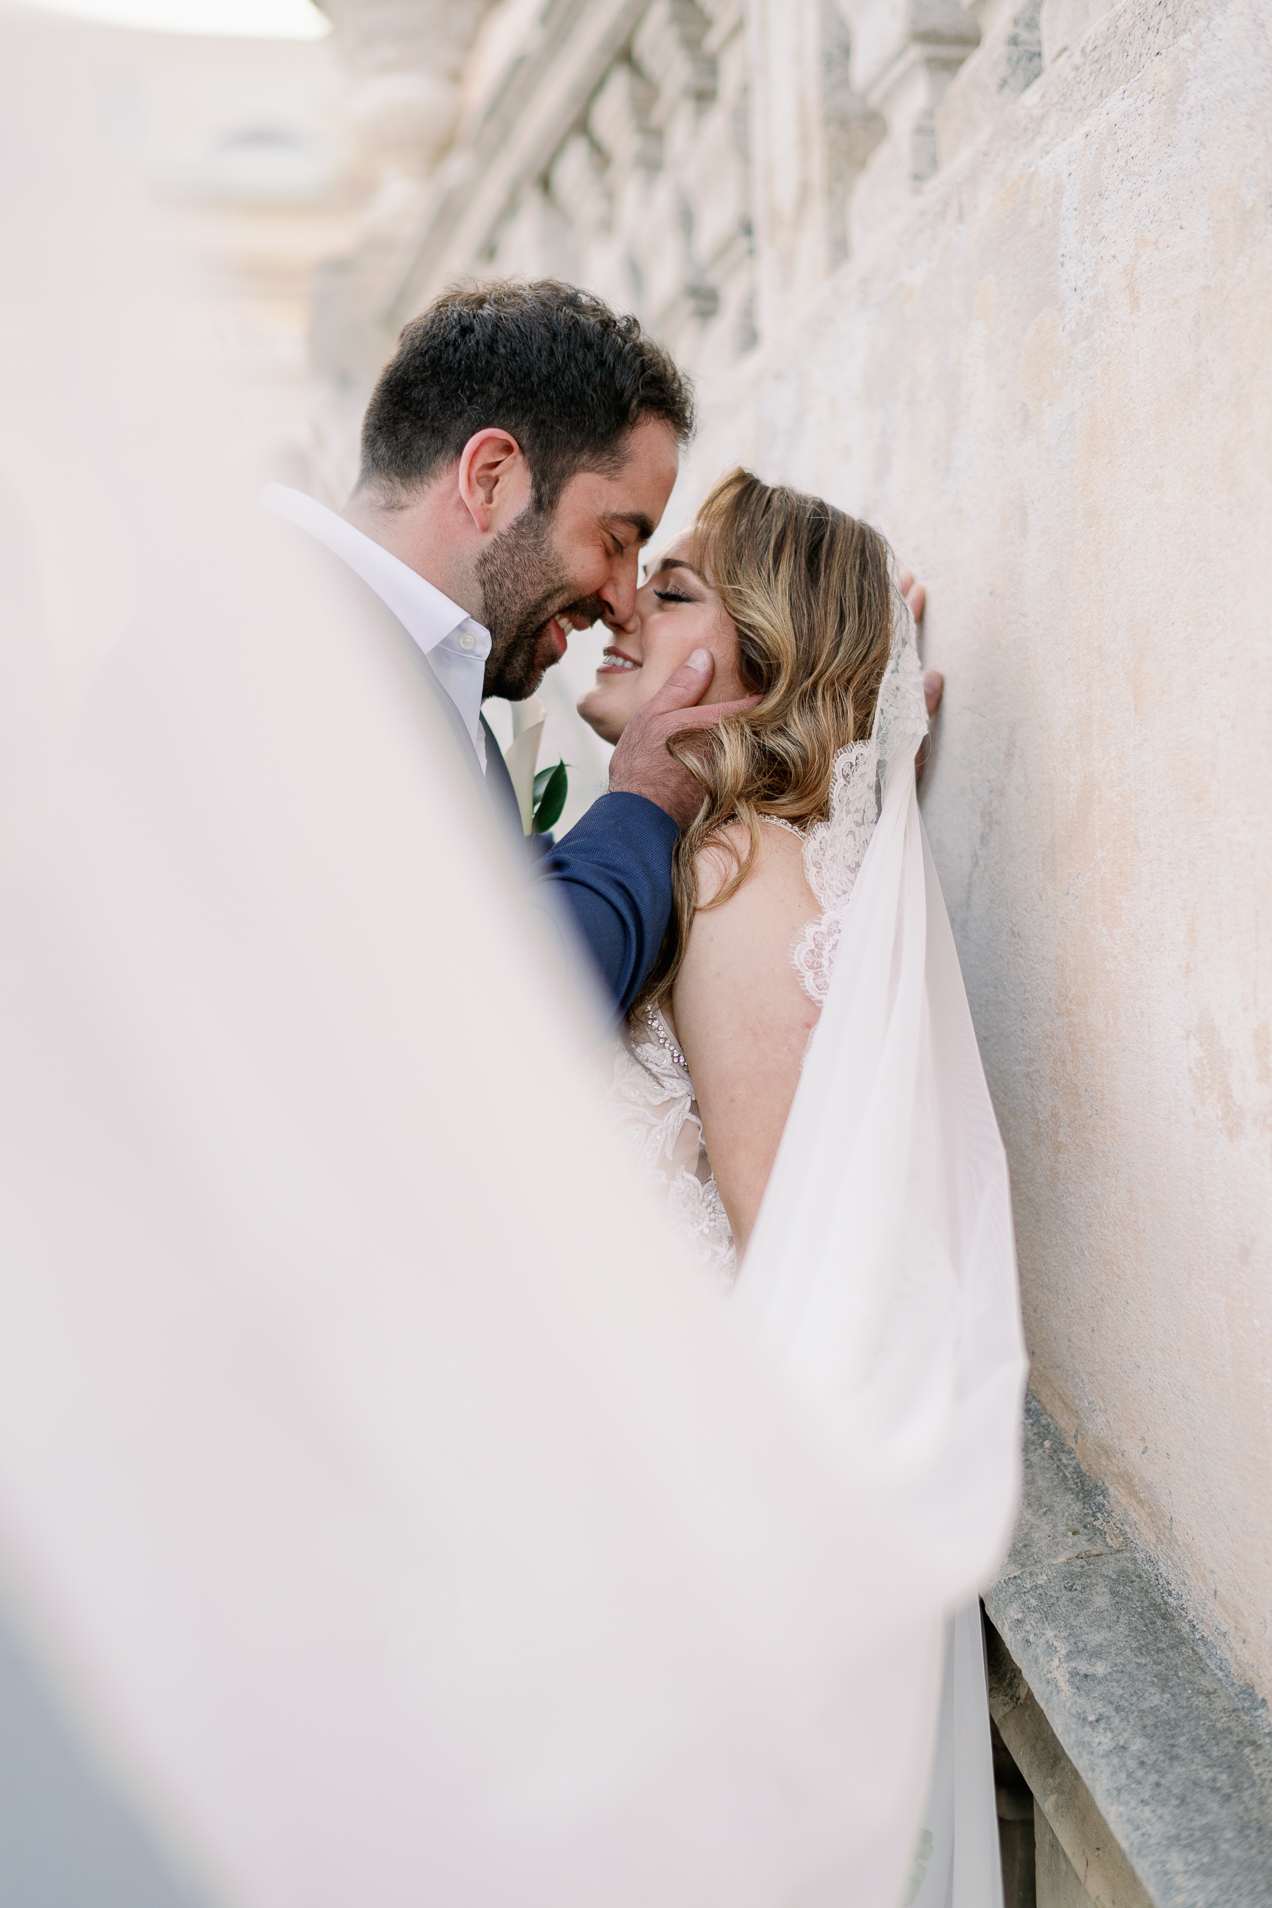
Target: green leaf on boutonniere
[{"x": 551, "y": 786}]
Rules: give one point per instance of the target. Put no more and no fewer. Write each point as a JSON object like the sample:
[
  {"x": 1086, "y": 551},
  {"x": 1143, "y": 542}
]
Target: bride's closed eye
[{"x": 674, "y": 596}]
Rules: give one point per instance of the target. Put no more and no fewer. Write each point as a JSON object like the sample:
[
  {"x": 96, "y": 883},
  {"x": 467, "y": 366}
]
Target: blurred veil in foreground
[{"x": 394, "y": 1516}]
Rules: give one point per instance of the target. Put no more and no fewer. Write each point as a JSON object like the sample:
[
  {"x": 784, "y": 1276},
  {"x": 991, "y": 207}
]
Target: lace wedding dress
[
  {"x": 882, "y": 1263},
  {"x": 652, "y": 1088}
]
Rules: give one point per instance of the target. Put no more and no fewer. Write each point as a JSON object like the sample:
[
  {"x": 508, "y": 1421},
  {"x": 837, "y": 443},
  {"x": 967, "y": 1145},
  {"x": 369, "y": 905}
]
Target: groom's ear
[{"x": 493, "y": 480}]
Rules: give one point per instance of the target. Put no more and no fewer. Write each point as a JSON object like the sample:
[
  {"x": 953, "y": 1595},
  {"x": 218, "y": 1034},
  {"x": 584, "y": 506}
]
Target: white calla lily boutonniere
[{"x": 540, "y": 796}]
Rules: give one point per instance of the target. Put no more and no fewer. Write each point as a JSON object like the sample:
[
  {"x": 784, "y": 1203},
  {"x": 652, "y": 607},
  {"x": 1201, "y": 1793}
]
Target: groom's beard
[{"x": 523, "y": 588}]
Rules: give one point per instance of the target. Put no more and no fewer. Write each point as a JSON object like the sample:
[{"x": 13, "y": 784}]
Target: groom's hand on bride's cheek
[{"x": 641, "y": 765}]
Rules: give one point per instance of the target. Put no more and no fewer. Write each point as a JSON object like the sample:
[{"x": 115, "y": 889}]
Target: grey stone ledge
[{"x": 1181, "y": 1774}]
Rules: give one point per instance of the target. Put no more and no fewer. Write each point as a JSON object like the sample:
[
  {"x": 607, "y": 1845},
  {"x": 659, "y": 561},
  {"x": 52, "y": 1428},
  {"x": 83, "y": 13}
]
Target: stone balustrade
[{"x": 706, "y": 163}]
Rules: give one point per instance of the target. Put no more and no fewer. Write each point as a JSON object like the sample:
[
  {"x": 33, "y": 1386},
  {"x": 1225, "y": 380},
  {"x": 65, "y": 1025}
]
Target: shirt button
[{"x": 468, "y": 640}]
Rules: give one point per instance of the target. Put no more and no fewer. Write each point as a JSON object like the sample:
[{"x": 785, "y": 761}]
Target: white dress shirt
[{"x": 455, "y": 645}]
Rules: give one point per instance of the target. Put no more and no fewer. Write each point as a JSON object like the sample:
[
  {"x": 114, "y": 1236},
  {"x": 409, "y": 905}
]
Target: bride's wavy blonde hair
[{"x": 810, "y": 592}]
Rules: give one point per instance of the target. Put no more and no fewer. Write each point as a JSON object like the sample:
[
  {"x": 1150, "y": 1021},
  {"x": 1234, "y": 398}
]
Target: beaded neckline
[{"x": 654, "y": 1021}]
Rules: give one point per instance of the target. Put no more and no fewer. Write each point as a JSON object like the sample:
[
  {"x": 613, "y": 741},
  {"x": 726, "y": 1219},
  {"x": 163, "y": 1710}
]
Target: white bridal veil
[
  {"x": 883, "y": 1265},
  {"x": 389, "y": 1511}
]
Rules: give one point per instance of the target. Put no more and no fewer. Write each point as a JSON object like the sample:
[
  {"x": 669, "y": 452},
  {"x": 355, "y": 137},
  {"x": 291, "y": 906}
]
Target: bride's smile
[{"x": 677, "y": 611}]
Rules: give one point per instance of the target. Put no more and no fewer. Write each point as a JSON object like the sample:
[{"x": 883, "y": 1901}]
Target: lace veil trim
[{"x": 834, "y": 849}]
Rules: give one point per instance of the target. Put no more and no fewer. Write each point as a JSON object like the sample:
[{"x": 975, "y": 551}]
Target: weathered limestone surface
[
  {"x": 999, "y": 277},
  {"x": 1173, "y": 1805}
]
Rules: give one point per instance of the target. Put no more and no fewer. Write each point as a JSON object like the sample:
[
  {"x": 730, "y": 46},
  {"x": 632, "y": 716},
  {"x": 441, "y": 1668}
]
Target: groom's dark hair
[{"x": 550, "y": 364}]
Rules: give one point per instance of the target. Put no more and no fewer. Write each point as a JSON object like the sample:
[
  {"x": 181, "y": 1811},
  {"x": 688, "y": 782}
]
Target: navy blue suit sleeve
[{"x": 613, "y": 874}]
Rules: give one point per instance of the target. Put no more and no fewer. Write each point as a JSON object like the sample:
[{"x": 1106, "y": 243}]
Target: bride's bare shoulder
[
  {"x": 777, "y": 873},
  {"x": 741, "y": 1017},
  {"x": 743, "y": 942}
]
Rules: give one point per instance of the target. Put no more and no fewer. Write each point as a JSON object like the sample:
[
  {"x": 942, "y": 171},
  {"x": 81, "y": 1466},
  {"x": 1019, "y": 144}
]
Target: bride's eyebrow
[{"x": 678, "y": 563}]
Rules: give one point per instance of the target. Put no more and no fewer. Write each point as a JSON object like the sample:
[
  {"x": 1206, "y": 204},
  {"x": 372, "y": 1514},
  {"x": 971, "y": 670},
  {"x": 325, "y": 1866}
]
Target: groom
[{"x": 517, "y": 453}]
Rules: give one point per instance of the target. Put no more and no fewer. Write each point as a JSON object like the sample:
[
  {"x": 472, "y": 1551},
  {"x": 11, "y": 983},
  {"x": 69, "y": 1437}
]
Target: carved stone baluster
[
  {"x": 620, "y": 124},
  {"x": 404, "y": 61},
  {"x": 1008, "y": 60},
  {"x": 853, "y": 128},
  {"x": 669, "y": 46},
  {"x": 807, "y": 161},
  {"x": 905, "y": 53}
]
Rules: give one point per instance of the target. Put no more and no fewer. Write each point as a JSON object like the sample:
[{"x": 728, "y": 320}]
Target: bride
[
  {"x": 801, "y": 1072},
  {"x": 795, "y": 602}
]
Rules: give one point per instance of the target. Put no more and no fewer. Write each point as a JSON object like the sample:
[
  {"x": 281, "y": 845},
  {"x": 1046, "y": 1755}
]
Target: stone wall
[{"x": 998, "y": 278}]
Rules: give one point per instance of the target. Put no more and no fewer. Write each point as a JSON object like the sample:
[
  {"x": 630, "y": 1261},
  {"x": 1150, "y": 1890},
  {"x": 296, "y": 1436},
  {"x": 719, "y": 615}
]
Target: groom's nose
[
  {"x": 619, "y": 592},
  {"x": 622, "y": 625}
]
